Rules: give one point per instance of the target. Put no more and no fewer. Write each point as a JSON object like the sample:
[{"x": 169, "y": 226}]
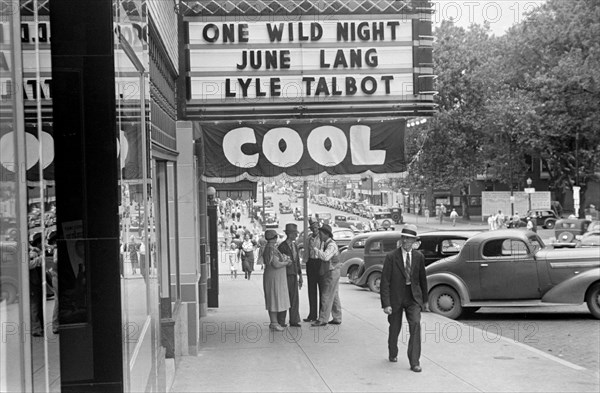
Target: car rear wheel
[
  {"x": 592, "y": 298},
  {"x": 445, "y": 301},
  {"x": 353, "y": 274},
  {"x": 374, "y": 282},
  {"x": 549, "y": 223}
]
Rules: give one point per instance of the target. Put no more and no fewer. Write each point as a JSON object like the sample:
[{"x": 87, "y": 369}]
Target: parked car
[
  {"x": 383, "y": 220},
  {"x": 285, "y": 207},
  {"x": 513, "y": 268},
  {"x": 356, "y": 222},
  {"x": 397, "y": 215},
  {"x": 270, "y": 219},
  {"x": 268, "y": 201},
  {"x": 352, "y": 257},
  {"x": 324, "y": 218},
  {"x": 434, "y": 246},
  {"x": 594, "y": 226},
  {"x": 569, "y": 230},
  {"x": 545, "y": 218},
  {"x": 340, "y": 221},
  {"x": 589, "y": 239}
]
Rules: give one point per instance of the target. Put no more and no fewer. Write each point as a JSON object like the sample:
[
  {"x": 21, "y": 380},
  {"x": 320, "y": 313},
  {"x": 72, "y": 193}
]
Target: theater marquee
[{"x": 365, "y": 61}]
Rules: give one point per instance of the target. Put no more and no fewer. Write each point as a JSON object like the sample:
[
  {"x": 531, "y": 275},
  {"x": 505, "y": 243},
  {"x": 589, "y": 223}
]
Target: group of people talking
[
  {"x": 282, "y": 279},
  {"x": 403, "y": 284}
]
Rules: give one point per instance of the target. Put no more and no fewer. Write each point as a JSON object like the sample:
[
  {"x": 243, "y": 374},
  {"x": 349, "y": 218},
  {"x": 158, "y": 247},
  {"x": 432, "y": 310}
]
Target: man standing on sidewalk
[
  {"x": 312, "y": 272},
  {"x": 294, "y": 276},
  {"x": 453, "y": 217},
  {"x": 329, "y": 277},
  {"x": 404, "y": 288}
]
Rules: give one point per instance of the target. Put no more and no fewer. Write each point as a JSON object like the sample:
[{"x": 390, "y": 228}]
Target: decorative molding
[{"x": 307, "y": 7}]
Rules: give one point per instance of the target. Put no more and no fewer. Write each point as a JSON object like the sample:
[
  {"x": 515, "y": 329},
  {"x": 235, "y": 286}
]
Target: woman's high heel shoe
[{"x": 276, "y": 327}]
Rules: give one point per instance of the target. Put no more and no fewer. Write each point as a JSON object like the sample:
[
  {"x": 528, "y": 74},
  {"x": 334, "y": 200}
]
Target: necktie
[
  {"x": 408, "y": 266},
  {"x": 294, "y": 251}
]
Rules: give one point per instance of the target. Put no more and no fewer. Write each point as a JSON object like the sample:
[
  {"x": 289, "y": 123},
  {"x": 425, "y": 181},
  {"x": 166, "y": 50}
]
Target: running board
[{"x": 515, "y": 303}]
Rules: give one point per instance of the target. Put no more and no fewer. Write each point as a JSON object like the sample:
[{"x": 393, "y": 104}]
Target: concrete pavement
[{"x": 238, "y": 353}]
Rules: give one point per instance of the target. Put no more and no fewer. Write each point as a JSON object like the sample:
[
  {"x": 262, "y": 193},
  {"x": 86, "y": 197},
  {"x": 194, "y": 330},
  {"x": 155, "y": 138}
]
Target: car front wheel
[
  {"x": 592, "y": 298},
  {"x": 445, "y": 301},
  {"x": 374, "y": 282}
]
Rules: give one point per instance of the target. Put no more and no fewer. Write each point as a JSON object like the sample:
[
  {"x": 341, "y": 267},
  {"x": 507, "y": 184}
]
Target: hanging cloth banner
[{"x": 255, "y": 151}]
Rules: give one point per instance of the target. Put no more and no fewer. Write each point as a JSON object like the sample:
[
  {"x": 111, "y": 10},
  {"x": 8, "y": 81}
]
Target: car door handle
[{"x": 483, "y": 265}]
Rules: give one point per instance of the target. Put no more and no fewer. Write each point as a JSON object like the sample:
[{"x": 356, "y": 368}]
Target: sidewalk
[
  {"x": 238, "y": 352},
  {"x": 434, "y": 224}
]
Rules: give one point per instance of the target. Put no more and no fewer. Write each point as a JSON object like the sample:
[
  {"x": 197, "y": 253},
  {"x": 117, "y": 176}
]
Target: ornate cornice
[{"x": 306, "y": 7}]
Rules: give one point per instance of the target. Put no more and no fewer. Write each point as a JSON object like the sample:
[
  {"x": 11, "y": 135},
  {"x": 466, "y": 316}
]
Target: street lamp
[{"x": 529, "y": 190}]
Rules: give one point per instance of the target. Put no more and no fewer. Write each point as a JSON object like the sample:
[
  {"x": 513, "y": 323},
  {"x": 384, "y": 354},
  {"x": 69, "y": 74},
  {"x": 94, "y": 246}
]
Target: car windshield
[
  {"x": 536, "y": 243},
  {"x": 345, "y": 234}
]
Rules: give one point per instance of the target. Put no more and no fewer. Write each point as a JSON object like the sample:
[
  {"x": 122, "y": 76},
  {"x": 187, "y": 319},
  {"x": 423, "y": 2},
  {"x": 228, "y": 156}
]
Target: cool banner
[{"x": 255, "y": 151}]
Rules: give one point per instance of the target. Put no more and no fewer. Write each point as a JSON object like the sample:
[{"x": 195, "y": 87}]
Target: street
[
  {"x": 243, "y": 355},
  {"x": 567, "y": 332}
]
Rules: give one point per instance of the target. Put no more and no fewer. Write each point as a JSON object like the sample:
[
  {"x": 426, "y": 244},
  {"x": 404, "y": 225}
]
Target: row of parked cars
[
  {"x": 361, "y": 209},
  {"x": 467, "y": 270}
]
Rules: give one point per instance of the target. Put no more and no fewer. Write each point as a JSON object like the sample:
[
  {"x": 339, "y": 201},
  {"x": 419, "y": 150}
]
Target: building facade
[{"x": 99, "y": 198}]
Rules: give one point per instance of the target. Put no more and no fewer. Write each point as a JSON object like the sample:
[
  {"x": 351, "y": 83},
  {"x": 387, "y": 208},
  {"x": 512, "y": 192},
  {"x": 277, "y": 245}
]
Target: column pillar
[{"x": 189, "y": 238}]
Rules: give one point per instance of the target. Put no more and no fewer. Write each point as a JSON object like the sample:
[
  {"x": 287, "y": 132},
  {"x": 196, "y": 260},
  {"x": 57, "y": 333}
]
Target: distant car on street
[
  {"x": 383, "y": 220},
  {"x": 285, "y": 207},
  {"x": 507, "y": 268},
  {"x": 270, "y": 219},
  {"x": 545, "y": 218}
]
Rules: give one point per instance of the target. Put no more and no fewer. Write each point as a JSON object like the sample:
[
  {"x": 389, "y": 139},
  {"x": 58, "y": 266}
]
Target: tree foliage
[{"x": 534, "y": 92}]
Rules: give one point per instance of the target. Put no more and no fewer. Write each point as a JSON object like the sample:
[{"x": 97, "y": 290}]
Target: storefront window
[
  {"x": 137, "y": 223},
  {"x": 13, "y": 358}
]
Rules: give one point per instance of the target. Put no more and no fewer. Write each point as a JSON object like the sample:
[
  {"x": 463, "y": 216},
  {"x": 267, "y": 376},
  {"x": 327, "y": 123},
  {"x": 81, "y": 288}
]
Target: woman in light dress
[{"x": 277, "y": 297}]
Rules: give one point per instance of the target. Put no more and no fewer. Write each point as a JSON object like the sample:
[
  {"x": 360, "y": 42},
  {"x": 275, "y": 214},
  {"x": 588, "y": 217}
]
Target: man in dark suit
[
  {"x": 294, "y": 275},
  {"x": 404, "y": 288}
]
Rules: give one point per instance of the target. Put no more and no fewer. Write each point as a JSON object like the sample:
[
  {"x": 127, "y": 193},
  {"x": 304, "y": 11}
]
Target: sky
[{"x": 501, "y": 14}]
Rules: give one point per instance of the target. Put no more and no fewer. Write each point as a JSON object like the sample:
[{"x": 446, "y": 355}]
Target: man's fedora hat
[
  {"x": 410, "y": 230},
  {"x": 327, "y": 230},
  {"x": 290, "y": 228}
]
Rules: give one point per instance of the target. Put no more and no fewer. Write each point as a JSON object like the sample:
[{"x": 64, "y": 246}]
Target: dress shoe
[
  {"x": 393, "y": 359},
  {"x": 276, "y": 327},
  {"x": 283, "y": 324},
  {"x": 38, "y": 334},
  {"x": 318, "y": 323},
  {"x": 332, "y": 322},
  {"x": 416, "y": 369},
  {"x": 309, "y": 319},
  {"x": 295, "y": 325}
]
